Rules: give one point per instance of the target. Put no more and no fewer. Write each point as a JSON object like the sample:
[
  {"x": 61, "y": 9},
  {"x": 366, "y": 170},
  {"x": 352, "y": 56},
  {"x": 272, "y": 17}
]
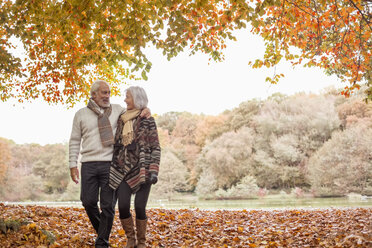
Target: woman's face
[{"x": 129, "y": 101}]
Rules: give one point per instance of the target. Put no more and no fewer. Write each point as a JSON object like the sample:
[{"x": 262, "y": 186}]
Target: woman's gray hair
[
  {"x": 139, "y": 96},
  {"x": 95, "y": 86}
]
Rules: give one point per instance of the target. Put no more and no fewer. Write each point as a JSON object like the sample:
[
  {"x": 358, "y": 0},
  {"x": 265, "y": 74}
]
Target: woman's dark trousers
[
  {"x": 124, "y": 194},
  {"x": 94, "y": 183}
]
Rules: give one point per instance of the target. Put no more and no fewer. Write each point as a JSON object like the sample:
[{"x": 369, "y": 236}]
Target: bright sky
[{"x": 186, "y": 83}]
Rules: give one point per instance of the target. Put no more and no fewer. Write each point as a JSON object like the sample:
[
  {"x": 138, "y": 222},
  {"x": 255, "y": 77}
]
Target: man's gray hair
[
  {"x": 95, "y": 86},
  {"x": 139, "y": 96}
]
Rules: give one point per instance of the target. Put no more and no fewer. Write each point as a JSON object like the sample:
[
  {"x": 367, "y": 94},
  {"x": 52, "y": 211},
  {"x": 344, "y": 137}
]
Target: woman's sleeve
[{"x": 154, "y": 144}]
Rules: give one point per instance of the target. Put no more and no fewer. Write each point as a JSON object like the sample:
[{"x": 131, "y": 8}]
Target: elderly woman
[{"x": 135, "y": 164}]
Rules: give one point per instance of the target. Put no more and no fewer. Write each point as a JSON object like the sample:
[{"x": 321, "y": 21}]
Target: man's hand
[
  {"x": 74, "y": 173},
  {"x": 145, "y": 113}
]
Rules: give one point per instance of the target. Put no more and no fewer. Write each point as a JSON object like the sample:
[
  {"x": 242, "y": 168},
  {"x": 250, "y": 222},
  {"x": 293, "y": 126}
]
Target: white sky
[{"x": 186, "y": 83}]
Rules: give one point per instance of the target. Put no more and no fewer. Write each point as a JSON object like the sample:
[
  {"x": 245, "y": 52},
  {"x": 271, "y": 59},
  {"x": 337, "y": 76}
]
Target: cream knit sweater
[{"x": 85, "y": 138}]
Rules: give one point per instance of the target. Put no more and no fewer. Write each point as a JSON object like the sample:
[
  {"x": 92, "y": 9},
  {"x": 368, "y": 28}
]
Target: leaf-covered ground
[{"x": 38, "y": 226}]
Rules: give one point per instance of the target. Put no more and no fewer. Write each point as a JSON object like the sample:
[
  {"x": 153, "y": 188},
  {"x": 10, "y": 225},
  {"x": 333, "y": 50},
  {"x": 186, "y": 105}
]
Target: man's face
[{"x": 102, "y": 96}]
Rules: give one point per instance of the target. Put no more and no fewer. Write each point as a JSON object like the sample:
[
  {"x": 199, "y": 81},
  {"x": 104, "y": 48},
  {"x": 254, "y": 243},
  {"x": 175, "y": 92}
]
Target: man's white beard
[{"x": 106, "y": 105}]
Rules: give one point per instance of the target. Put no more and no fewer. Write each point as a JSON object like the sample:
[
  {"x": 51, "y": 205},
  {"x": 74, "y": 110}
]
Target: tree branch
[
  {"x": 319, "y": 38},
  {"x": 296, "y": 5},
  {"x": 363, "y": 16}
]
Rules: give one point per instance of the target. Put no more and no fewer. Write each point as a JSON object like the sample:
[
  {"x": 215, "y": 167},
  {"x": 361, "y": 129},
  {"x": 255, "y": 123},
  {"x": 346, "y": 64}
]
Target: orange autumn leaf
[{"x": 275, "y": 228}]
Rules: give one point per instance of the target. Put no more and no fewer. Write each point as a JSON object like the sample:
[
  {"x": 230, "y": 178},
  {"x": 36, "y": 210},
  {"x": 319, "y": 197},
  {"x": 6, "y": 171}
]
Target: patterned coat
[{"x": 135, "y": 162}]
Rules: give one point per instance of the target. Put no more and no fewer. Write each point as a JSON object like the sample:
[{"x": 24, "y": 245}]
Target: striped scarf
[{"x": 104, "y": 125}]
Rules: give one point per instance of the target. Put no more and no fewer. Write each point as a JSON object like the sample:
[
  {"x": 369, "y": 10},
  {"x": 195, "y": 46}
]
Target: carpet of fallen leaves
[{"x": 70, "y": 227}]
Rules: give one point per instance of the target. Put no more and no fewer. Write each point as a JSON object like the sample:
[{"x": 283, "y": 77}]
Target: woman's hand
[{"x": 153, "y": 178}]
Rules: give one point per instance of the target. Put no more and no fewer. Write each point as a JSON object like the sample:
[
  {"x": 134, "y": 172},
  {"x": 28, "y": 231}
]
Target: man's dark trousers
[{"x": 94, "y": 182}]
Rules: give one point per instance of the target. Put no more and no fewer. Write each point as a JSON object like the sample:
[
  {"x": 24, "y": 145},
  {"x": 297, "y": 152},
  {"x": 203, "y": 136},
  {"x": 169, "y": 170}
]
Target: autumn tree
[
  {"x": 184, "y": 131},
  {"x": 26, "y": 187},
  {"x": 52, "y": 167},
  {"x": 344, "y": 163},
  {"x": 226, "y": 158},
  {"x": 41, "y": 170},
  {"x": 173, "y": 176},
  {"x": 209, "y": 128},
  {"x": 183, "y": 141},
  {"x": 354, "y": 111},
  {"x": 164, "y": 137},
  {"x": 187, "y": 133},
  {"x": 243, "y": 114},
  {"x": 29, "y": 155},
  {"x": 5, "y": 157},
  {"x": 332, "y": 35},
  {"x": 287, "y": 133},
  {"x": 168, "y": 121},
  {"x": 310, "y": 118},
  {"x": 19, "y": 175},
  {"x": 266, "y": 171},
  {"x": 68, "y": 44}
]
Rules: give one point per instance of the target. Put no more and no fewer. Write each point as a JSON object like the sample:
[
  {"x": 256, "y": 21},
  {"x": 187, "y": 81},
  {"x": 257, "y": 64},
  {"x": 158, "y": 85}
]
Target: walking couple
[{"x": 120, "y": 156}]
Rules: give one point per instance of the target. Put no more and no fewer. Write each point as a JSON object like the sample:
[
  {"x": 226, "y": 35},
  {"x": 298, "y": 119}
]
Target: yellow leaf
[
  {"x": 31, "y": 226},
  {"x": 106, "y": 13}
]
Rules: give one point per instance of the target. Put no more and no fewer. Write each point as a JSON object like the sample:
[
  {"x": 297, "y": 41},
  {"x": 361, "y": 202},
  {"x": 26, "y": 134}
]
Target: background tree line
[{"x": 304, "y": 143}]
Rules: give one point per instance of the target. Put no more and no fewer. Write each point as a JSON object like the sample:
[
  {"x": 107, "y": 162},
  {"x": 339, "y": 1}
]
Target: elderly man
[{"x": 92, "y": 137}]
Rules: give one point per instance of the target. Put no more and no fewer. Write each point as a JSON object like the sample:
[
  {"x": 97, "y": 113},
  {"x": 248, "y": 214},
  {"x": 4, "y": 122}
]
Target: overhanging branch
[{"x": 363, "y": 15}]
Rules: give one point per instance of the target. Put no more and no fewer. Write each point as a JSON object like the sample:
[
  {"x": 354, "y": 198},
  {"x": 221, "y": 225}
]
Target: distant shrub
[
  {"x": 246, "y": 188},
  {"x": 207, "y": 184},
  {"x": 262, "y": 192},
  {"x": 297, "y": 192}
]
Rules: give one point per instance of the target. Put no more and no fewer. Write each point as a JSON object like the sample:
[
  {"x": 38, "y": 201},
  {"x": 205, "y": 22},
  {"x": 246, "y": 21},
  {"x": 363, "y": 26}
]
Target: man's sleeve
[
  {"x": 122, "y": 110},
  {"x": 75, "y": 141}
]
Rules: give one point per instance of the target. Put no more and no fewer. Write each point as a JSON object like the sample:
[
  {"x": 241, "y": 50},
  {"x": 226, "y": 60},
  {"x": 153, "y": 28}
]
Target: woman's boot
[
  {"x": 141, "y": 233},
  {"x": 129, "y": 231}
]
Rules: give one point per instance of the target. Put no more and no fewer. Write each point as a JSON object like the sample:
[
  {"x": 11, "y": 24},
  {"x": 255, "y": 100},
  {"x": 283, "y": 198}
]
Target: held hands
[
  {"x": 153, "y": 178},
  {"x": 74, "y": 173}
]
